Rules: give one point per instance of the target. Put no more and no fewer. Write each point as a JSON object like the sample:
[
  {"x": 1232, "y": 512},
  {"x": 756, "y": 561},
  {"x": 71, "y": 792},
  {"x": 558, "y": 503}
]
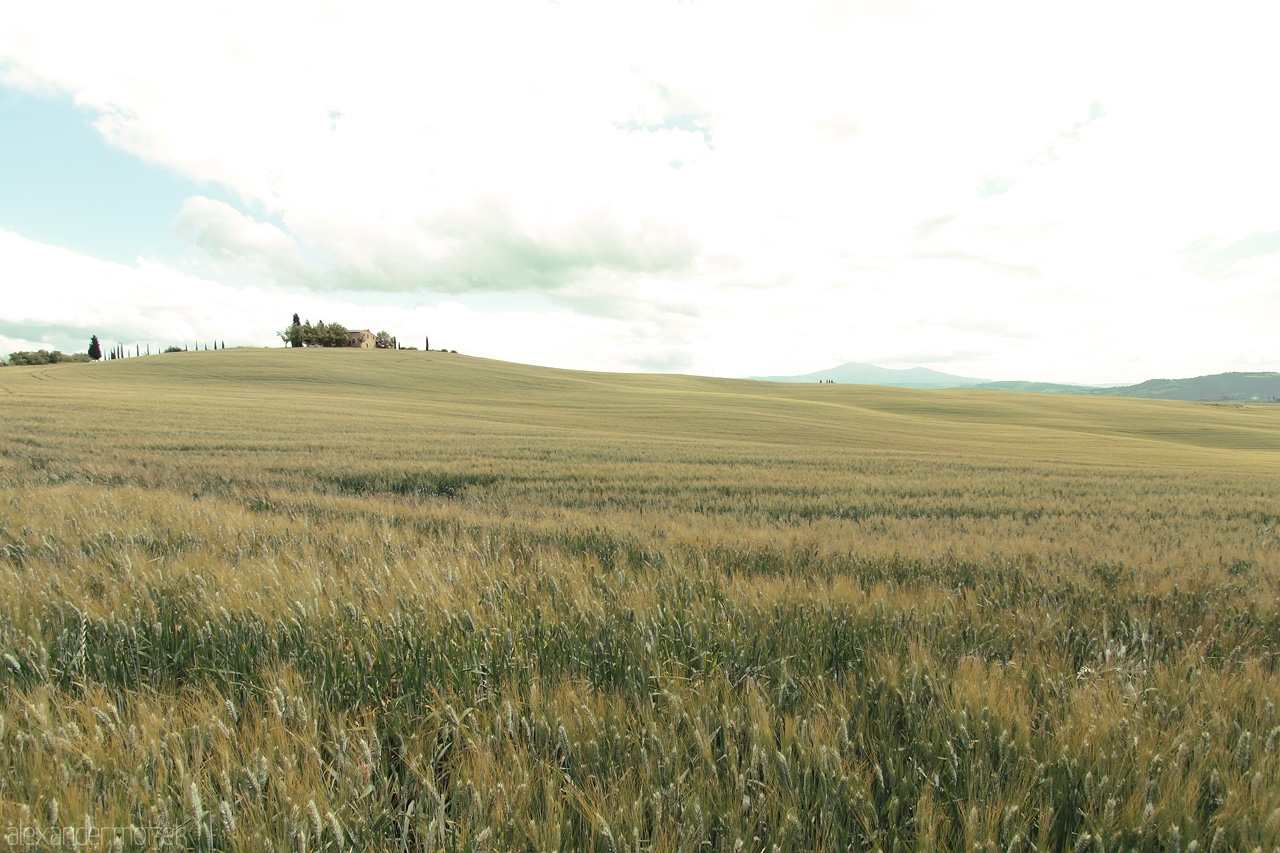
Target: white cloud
[
  {"x": 66, "y": 297},
  {"x": 228, "y": 235},
  {"x": 733, "y": 188}
]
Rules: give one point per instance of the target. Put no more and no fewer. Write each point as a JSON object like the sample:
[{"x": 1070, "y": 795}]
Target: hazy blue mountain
[
  {"x": 1241, "y": 387},
  {"x": 1220, "y": 386},
  {"x": 1041, "y": 387},
  {"x": 858, "y": 373}
]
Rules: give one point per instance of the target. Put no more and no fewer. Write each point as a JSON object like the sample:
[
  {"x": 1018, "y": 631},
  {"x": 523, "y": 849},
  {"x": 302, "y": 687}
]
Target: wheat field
[{"x": 314, "y": 600}]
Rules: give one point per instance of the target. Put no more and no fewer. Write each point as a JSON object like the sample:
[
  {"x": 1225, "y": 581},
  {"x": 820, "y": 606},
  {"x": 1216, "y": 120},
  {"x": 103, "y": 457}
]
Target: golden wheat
[{"x": 338, "y": 600}]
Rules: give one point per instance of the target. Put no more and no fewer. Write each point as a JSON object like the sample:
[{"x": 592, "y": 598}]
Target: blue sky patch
[
  {"x": 62, "y": 184},
  {"x": 1201, "y": 258}
]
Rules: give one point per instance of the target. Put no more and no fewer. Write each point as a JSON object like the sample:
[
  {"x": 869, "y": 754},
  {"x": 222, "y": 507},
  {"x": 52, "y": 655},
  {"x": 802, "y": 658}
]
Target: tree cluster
[
  {"x": 300, "y": 334},
  {"x": 44, "y": 356},
  {"x": 97, "y": 352},
  {"x": 320, "y": 335}
]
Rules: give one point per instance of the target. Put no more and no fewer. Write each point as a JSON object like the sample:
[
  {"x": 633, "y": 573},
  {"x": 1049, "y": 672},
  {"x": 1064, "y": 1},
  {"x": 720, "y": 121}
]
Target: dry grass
[{"x": 374, "y": 600}]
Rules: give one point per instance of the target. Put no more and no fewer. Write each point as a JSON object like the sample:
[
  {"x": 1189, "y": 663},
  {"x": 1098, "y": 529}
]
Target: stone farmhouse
[{"x": 360, "y": 338}]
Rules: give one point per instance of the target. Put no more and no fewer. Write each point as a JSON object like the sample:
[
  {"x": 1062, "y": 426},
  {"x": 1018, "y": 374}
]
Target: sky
[{"x": 1068, "y": 192}]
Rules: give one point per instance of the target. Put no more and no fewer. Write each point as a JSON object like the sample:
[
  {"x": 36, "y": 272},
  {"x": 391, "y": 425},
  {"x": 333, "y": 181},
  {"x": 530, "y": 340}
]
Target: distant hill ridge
[
  {"x": 1218, "y": 387},
  {"x": 860, "y": 373}
]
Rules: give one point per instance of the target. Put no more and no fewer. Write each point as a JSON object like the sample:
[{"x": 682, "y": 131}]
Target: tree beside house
[{"x": 303, "y": 334}]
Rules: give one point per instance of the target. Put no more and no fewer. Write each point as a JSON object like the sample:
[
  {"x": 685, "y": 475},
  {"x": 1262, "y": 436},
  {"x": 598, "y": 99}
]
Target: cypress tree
[
  {"x": 294, "y": 335},
  {"x": 95, "y": 348}
]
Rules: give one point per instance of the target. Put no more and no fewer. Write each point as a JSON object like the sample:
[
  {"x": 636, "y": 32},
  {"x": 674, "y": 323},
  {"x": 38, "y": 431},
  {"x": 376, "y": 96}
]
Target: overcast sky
[{"x": 1083, "y": 191}]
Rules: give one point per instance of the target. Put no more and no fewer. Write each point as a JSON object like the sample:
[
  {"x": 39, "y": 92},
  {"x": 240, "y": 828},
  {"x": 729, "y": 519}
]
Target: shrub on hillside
[{"x": 44, "y": 356}]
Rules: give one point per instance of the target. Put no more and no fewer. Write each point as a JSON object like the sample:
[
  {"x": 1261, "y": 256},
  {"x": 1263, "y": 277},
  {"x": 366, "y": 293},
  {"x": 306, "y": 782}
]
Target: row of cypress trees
[{"x": 119, "y": 350}]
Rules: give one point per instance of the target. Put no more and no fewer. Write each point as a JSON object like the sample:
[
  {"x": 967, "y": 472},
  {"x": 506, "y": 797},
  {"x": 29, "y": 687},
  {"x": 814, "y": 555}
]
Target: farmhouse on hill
[
  {"x": 361, "y": 338},
  {"x": 300, "y": 334}
]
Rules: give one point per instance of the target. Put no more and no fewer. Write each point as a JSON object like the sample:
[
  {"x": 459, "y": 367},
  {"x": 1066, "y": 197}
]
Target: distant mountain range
[
  {"x": 858, "y": 373},
  {"x": 1238, "y": 387}
]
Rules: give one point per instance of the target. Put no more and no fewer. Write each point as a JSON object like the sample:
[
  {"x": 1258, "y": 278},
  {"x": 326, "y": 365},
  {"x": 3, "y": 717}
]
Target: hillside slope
[
  {"x": 352, "y": 399},
  {"x": 1220, "y": 386},
  {"x": 479, "y": 605}
]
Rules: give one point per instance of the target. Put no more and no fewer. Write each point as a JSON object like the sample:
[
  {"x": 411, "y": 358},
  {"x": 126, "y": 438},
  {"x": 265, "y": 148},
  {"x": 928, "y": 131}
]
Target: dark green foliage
[
  {"x": 293, "y": 334},
  {"x": 338, "y": 336},
  {"x": 319, "y": 335},
  {"x": 45, "y": 357},
  {"x": 95, "y": 348},
  {"x": 383, "y": 340}
]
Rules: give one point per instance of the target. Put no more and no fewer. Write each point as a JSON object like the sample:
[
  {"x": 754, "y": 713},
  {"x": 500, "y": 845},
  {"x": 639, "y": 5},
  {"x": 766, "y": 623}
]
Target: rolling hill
[
  {"x": 462, "y": 604},
  {"x": 356, "y": 401}
]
